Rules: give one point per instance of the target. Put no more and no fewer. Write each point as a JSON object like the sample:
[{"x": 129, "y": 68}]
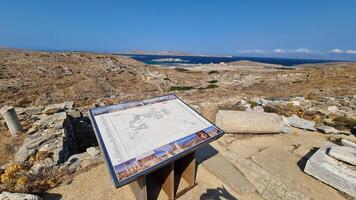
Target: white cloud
[
  {"x": 253, "y": 51},
  {"x": 301, "y": 50},
  {"x": 351, "y": 51},
  {"x": 336, "y": 51},
  {"x": 279, "y": 51}
]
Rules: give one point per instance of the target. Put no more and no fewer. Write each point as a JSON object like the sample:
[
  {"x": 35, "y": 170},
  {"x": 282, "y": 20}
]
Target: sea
[{"x": 179, "y": 60}]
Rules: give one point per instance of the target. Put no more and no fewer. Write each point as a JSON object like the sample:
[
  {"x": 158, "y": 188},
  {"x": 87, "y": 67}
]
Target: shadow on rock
[{"x": 303, "y": 161}]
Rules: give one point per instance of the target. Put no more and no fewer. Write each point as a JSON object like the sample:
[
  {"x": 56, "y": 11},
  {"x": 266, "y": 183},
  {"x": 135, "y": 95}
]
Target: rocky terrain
[{"x": 300, "y": 108}]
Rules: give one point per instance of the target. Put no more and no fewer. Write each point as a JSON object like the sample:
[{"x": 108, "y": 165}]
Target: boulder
[
  {"x": 248, "y": 122},
  {"x": 345, "y": 154},
  {"x": 348, "y": 143},
  {"x": 327, "y": 129},
  {"x": 18, "y": 196},
  {"x": 331, "y": 171},
  {"x": 209, "y": 110},
  {"x": 297, "y": 122}
]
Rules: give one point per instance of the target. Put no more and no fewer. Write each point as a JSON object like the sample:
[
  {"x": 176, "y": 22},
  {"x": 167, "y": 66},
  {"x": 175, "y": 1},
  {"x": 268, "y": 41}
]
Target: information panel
[{"x": 140, "y": 136}]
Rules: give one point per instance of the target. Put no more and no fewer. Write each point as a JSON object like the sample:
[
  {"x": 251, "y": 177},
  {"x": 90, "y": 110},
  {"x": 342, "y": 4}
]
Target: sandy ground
[{"x": 96, "y": 184}]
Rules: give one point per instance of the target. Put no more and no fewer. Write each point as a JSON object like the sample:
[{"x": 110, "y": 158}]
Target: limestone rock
[
  {"x": 18, "y": 196},
  {"x": 258, "y": 109},
  {"x": 248, "y": 122},
  {"x": 51, "y": 109},
  {"x": 301, "y": 123},
  {"x": 331, "y": 171},
  {"x": 333, "y": 109},
  {"x": 33, "y": 110},
  {"x": 327, "y": 129},
  {"x": 345, "y": 154},
  {"x": 348, "y": 143},
  {"x": 92, "y": 151}
]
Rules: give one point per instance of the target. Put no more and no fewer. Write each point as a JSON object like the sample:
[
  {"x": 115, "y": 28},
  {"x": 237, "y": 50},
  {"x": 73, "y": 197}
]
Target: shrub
[
  {"x": 213, "y": 72},
  {"x": 173, "y": 88}
]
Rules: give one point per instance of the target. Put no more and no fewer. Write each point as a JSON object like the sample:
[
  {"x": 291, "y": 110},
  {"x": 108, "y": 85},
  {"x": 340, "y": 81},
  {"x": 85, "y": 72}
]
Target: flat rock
[
  {"x": 301, "y": 123},
  {"x": 348, "y": 143},
  {"x": 345, "y": 154},
  {"x": 331, "y": 171},
  {"x": 327, "y": 129},
  {"x": 18, "y": 196},
  {"x": 248, "y": 122},
  {"x": 268, "y": 185},
  {"x": 51, "y": 109},
  {"x": 33, "y": 110},
  {"x": 228, "y": 173}
]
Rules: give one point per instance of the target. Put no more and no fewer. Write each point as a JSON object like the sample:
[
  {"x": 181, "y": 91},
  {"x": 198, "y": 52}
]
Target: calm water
[{"x": 157, "y": 59}]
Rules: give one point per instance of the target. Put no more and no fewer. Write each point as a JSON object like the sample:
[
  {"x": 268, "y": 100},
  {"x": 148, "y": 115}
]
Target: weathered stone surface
[
  {"x": 42, "y": 165},
  {"x": 269, "y": 186},
  {"x": 228, "y": 173},
  {"x": 92, "y": 151},
  {"x": 327, "y": 129},
  {"x": 333, "y": 109},
  {"x": 51, "y": 109},
  {"x": 18, "y": 196},
  {"x": 345, "y": 154},
  {"x": 248, "y": 122},
  {"x": 331, "y": 171},
  {"x": 301, "y": 123},
  {"x": 258, "y": 109},
  {"x": 286, "y": 126},
  {"x": 348, "y": 143},
  {"x": 33, "y": 110}
]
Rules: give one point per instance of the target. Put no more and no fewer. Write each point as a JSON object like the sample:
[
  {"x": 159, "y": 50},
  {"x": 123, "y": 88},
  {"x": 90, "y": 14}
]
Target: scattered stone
[
  {"x": 286, "y": 126},
  {"x": 33, "y": 110},
  {"x": 327, "y": 129},
  {"x": 51, "y": 109},
  {"x": 248, "y": 122},
  {"x": 258, "y": 109},
  {"x": 333, "y": 109},
  {"x": 343, "y": 132},
  {"x": 331, "y": 171},
  {"x": 297, "y": 122},
  {"x": 348, "y": 143},
  {"x": 209, "y": 110},
  {"x": 18, "y": 196},
  {"x": 92, "y": 151},
  {"x": 42, "y": 165},
  {"x": 345, "y": 154}
]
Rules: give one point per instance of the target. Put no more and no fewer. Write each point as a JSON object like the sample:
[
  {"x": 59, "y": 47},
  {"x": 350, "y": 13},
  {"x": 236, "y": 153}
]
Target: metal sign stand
[{"x": 168, "y": 178}]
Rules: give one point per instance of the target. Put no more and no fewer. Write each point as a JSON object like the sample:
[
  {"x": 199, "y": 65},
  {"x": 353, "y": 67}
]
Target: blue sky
[{"x": 236, "y": 27}]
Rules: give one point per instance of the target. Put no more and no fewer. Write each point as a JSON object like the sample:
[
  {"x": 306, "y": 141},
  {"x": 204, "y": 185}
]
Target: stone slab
[
  {"x": 344, "y": 154},
  {"x": 331, "y": 171},
  {"x": 228, "y": 173},
  {"x": 248, "y": 122}
]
